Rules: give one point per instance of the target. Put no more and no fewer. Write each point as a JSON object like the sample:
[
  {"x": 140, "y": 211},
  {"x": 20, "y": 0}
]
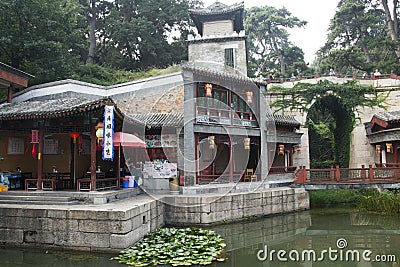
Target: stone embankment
[{"x": 117, "y": 225}]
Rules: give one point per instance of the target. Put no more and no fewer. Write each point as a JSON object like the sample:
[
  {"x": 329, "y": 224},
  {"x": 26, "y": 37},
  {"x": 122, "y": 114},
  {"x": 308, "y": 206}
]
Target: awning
[{"x": 127, "y": 140}]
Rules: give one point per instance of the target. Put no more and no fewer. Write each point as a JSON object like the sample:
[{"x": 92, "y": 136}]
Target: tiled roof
[
  {"x": 191, "y": 66},
  {"x": 221, "y": 12},
  {"x": 217, "y": 8},
  {"x": 49, "y": 108},
  {"x": 284, "y": 120},
  {"x": 157, "y": 120},
  {"x": 390, "y": 117}
]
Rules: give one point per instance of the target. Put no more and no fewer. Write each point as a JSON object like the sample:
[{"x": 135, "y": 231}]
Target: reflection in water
[
  {"x": 302, "y": 232},
  {"x": 314, "y": 231},
  {"x": 13, "y": 257}
]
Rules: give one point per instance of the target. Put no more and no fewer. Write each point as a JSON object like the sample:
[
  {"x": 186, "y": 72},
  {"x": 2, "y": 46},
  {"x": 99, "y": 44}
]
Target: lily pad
[{"x": 178, "y": 247}]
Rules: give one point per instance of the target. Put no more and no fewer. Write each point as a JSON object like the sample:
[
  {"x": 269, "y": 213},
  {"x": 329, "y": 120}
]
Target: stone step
[
  {"x": 34, "y": 202},
  {"x": 36, "y": 199}
]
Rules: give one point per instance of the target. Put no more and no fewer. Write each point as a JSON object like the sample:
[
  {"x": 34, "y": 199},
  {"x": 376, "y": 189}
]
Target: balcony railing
[{"x": 225, "y": 117}]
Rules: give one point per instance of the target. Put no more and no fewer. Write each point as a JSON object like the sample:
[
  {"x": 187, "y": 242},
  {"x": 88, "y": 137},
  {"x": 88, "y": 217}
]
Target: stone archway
[{"x": 329, "y": 127}]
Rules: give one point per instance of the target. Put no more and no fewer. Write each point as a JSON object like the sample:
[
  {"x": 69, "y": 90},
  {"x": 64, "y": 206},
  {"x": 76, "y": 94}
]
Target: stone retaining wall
[
  {"x": 118, "y": 225},
  {"x": 208, "y": 209},
  {"x": 82, "y": 227}
]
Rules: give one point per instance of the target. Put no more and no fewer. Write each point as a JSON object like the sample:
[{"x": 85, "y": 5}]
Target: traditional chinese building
[{"x": 208, "y": 123}]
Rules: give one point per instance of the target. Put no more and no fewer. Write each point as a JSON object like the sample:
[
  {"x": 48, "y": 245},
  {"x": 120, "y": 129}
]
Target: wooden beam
[{"x": 13, "y": 78}]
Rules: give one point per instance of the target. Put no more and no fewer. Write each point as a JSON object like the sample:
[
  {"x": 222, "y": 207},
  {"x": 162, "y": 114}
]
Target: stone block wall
[
  {"x": 93, "y": 227},
  {"x": 188, "y": 210}
]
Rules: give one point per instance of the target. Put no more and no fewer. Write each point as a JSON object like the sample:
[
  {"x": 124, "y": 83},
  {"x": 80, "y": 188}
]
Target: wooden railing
[{"x": 348, "y": 175}]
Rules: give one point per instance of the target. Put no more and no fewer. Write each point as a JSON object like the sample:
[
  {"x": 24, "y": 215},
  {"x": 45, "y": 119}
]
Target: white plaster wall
[{"x": 218, "y": 27}]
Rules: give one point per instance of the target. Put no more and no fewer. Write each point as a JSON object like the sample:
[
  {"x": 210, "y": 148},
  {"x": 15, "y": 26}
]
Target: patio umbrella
[
  {"x": 128, "y": 140},
  {"x": 125, "y": 140}
]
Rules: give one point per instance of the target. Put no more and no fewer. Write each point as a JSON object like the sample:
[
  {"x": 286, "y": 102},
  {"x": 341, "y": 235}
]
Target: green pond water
[{"x": 320, "y": 237}]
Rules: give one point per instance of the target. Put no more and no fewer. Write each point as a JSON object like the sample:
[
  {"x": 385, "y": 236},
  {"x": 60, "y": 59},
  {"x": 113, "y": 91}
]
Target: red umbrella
[{"x": 127, "y": 140}]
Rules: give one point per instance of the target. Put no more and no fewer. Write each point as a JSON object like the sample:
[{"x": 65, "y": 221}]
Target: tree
[
  {"x": 358, "y": 38},
  {"x": 40, "y": 37},
  {"x": 267, "y": 31},
  {"x": 143, "y": 34},
  {"x": 392, "y": 20}
]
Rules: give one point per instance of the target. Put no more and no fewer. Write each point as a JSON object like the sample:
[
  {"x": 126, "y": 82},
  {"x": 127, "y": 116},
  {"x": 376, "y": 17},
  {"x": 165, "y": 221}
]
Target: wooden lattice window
[
  {"x": 230, "y": 57},
  {"x": 16, "y": 146}
]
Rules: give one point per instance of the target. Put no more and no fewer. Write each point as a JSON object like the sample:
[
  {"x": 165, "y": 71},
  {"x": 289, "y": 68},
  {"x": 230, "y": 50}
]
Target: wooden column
[
  {"x": 40, "y": 158},
  {"x": 230, "y": 161},
  {"x": 93, "y": 144},
  {"x": 9, "y": 94},
  {"x": 395, "y": 159},
  {"x": 118, "y": 166}
]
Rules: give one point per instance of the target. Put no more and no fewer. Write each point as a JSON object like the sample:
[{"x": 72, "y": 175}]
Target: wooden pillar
[
  {"x": 93, "y": 144},
  {"x": 230, "y": 160},
  {"x": 118, "y": 166},
  {"x": 9, "y": 94},
  {"x": 371, "y": 173},
  {"x": 40, "y": 158},
  {"x": 337, "y": 174},
  {"x": 395, "y": 159}
]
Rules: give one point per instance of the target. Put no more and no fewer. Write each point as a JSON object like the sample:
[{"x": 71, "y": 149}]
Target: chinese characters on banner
[{"x": 108, "y": 144}]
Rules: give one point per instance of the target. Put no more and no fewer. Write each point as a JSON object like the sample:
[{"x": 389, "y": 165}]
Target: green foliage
[
  {"x": 322, "y": 198},
  {"x": 385, "y": 202},
  {"x": 358, "y": 40},
  {"x": 340, "y": 101},
  {"x": 40, "y": 37},
  {"x": 171, "y": 246},
  {"x": 270, "y": 50}
]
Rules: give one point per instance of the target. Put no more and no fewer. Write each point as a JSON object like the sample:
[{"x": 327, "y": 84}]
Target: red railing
[{"x": 348, "y": 175}]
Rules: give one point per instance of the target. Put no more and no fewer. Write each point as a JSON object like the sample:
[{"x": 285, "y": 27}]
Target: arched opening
[{"x": 330, "y": 125}]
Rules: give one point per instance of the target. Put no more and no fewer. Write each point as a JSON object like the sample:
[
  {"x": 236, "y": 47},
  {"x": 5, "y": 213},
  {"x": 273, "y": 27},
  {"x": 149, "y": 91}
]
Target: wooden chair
[{"x": 250, "y": 176}]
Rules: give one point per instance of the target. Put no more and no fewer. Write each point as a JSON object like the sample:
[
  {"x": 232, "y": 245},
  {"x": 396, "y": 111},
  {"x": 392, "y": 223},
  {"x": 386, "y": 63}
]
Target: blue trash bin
[{"x": 125, "y": 182}]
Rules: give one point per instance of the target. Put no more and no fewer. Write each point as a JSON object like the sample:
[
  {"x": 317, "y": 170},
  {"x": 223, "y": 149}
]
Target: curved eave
[{"x": 389, "y": 135}]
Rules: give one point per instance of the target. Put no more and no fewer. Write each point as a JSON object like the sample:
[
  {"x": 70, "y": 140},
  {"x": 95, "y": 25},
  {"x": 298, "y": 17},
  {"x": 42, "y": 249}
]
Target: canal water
[{"x": 320, "y": 237}]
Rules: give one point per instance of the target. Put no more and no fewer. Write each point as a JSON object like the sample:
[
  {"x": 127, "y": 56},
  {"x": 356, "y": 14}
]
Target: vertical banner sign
[{"x": 108, "y": 144}]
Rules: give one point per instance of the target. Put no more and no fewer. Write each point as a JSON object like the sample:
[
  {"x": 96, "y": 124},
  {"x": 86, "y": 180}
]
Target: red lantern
[
  {"x": 378, "y": 149},
  {"x": 35, "y": 137},
  {"x": 74, "y": 136},
  {"x": 208, "y": 87}
]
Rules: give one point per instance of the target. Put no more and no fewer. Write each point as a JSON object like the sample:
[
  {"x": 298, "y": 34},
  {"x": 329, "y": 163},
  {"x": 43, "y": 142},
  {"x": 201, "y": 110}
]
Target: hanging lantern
[
  {"x": 249, "y": 97},
  {"x": 74, "y": 136},
  {"x": 34, "y": 142},
  {"x": 281, "y": 149},
  {"x": 211, "y": 141},
  {"x": 389, "y": 148},
  {"x": 99, "y": 132},
  {"x": 297, "y": 149},
  {"x": 246, "y": 143},
  {"x": 208, "y": 87},
  {"x": 378, "y": 149},
  {"x": 35, "y": 137}
]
